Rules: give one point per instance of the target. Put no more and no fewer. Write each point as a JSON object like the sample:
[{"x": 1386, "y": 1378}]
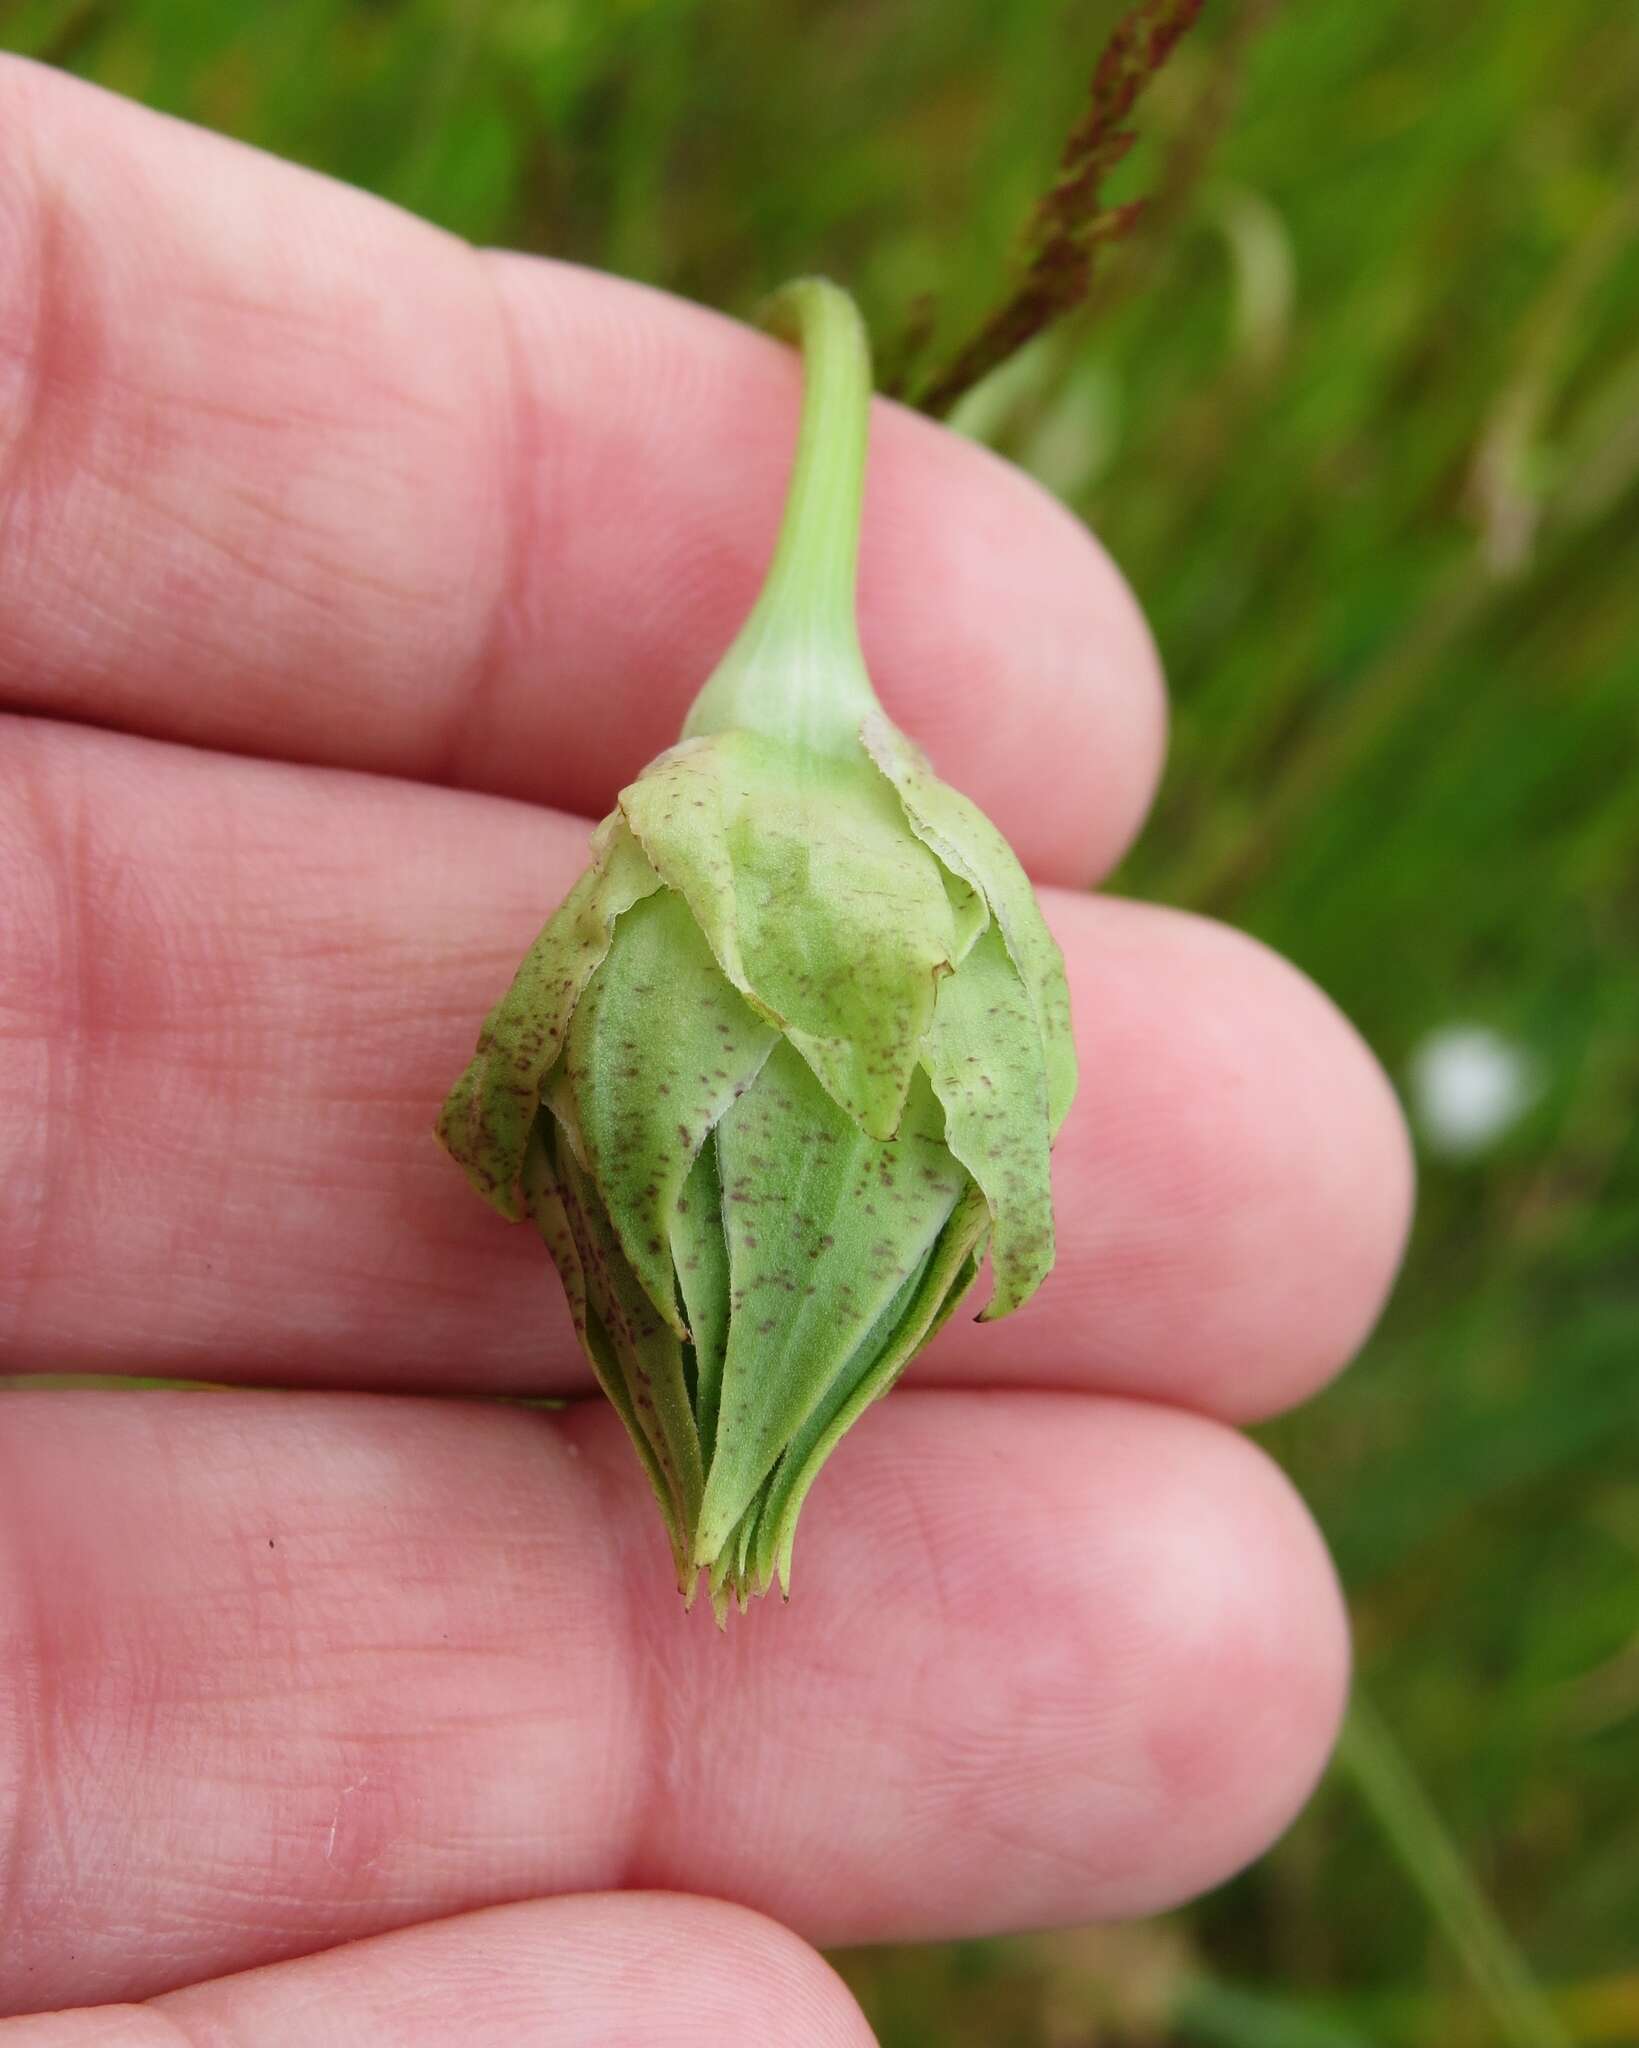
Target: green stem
[
  {"x": 1430, "y": 1859},
  {"x": 795, "y": 671}
]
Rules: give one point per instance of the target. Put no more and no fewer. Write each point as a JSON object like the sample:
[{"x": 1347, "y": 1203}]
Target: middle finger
[{"x": 239, "y": 992}]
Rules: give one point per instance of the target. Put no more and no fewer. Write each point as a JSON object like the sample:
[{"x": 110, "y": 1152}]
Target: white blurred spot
[
  {"x": 1469, "y": 1084},
  {"x": 1265, "y": 271}
]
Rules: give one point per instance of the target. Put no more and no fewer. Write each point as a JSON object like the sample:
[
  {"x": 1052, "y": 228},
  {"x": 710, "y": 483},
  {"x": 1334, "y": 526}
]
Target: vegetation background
[{"x": 1356, "y": 406}]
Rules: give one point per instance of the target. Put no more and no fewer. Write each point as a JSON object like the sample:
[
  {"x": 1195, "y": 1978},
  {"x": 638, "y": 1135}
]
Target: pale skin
[{"x": 344, "y": 574}]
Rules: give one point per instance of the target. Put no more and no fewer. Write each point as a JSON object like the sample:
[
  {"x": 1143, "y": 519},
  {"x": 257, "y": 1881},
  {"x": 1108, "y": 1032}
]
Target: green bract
[{"x": 790, "y": 1055}]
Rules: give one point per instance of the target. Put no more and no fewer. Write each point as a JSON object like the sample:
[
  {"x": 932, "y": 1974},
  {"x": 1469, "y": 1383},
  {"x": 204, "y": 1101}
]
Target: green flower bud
[{"x": 789, "y": 1057}]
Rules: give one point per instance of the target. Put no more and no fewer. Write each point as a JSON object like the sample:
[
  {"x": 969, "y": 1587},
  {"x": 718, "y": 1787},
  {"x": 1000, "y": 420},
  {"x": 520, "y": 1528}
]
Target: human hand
[{"x": 345, "y": 573}]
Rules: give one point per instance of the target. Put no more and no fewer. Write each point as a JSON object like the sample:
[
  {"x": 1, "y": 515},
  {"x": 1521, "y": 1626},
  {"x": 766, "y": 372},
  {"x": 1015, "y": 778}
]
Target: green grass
[{"x": 1359, "y": 416}]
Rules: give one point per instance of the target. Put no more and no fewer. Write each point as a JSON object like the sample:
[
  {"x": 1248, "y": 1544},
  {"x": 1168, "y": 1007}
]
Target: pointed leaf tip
[{"x": 986, "y": 1063}]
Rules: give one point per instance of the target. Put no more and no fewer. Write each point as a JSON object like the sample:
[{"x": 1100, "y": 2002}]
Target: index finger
[{"x": 291, "y": 473}]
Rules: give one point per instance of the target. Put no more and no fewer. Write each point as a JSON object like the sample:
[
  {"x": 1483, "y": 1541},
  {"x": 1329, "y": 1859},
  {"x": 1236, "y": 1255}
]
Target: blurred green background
[{"x": 1357, "y": 410}]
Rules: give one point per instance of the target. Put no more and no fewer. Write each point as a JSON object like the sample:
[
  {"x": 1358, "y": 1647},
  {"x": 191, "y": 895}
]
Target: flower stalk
[{"x": 795, "y": 670}]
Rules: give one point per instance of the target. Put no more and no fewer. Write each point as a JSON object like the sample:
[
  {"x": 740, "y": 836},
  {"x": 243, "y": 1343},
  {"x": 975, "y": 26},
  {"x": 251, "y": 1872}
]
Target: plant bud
[{"x": 789, "y": 1057}]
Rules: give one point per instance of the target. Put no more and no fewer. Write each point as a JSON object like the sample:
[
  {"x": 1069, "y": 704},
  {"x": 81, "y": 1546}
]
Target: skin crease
[{"x": 285, "y": 474}]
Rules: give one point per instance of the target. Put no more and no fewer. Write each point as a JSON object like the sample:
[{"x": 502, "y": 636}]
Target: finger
[
  {"x": 279, "y": 1671},
  {"x": 294, "y": 474},
  {"x": 591, "y": 1972},
  {"x": 238, "y": 993}
]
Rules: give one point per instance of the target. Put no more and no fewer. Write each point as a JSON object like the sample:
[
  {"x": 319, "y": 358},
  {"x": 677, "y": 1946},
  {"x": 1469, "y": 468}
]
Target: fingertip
[
  {"x": 1339, "y": 1166},
  {"x": 1235, "y": 1177},
  {"x": 1165, "y": 1650},
  {"x": 788, "y": 1990},
  {"x": 707, "y": 1971},
  {"x": 1251, "y": 1664}
]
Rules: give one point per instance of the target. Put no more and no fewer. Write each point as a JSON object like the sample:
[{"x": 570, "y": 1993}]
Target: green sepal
[
  {"x": 543, "y": 1199},
  {"x": 915, "y": 1318},
  {"x": 985, "y": 1059},
  {"x": 487, "y": 1118},
  {"x": 647, "y": 1354},
  {"x": 818, "y": 902},
  {"x": 646, "y": 1100},
  {"x": 964, "y": 839},
  {"x": 824, "y": 1227}
]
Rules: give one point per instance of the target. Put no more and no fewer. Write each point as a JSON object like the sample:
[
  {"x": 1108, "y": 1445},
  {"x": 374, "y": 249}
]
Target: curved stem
[{"x": 795, "y": 670}]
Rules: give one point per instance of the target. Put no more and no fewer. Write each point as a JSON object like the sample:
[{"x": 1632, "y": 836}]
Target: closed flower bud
[{"x": 789, "y": 1057}]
